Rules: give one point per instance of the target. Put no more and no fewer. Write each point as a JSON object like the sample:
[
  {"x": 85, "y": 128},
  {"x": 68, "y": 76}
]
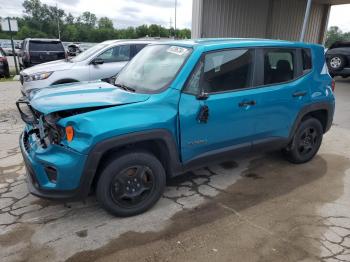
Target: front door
[
  {"x": 114, "y": 59},
  {"x": 216, "y": 108}
]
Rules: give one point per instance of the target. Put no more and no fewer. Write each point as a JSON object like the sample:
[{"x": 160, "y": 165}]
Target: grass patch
[{"x": 6, "y": 79}]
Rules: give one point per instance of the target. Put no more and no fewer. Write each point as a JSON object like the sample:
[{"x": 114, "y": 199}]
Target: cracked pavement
[{"x": 256, "y": 208}]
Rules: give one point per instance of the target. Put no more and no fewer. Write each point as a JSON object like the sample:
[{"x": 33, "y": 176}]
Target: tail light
[
  {"x": 3, "y": 59},
  {"x": 333, "y": 85},
  {"x": 26, "y": 55}
]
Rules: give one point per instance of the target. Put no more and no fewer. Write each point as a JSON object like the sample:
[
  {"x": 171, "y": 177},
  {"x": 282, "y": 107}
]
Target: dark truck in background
[
  {"x": 36, "y": 51},
  {"x": 338, "y": 59}
]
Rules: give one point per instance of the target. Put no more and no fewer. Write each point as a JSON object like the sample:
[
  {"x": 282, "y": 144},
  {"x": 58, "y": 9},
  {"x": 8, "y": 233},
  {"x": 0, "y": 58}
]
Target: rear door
[
  {"x": 114, "y": 59},
  {"x": 45, "y": 51},
  {"x": 282, "y": 91}
]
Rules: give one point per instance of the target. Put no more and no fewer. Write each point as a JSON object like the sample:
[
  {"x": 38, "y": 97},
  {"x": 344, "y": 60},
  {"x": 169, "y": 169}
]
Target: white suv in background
[{"x": 101, "y": 61}]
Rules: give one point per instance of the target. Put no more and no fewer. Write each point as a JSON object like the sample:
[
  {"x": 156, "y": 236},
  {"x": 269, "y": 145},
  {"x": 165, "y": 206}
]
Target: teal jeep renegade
[{"x": 176, "y": 106}]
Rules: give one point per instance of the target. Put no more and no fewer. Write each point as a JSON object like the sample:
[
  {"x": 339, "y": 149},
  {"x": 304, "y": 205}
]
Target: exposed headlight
[{"x": 37, "y": 76}]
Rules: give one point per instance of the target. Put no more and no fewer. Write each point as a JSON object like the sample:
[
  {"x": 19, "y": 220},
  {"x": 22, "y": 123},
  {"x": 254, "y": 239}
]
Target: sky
[
  {"x": 339, "y": 16},
  {"x": 126, "y": 13}
]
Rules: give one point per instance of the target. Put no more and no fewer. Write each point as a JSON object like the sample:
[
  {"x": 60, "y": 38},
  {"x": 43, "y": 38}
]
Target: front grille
[{"x": 26, "y": 142}]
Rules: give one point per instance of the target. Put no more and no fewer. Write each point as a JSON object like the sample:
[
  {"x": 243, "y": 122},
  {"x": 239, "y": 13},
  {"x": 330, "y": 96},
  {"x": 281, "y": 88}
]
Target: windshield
[
  {"x": 153, "y": 68},
  {"x": 89, "y": 52}
]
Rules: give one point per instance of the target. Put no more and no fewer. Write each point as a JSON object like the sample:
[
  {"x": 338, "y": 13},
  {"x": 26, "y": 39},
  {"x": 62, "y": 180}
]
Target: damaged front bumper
[{"x": 53, "y": 172}]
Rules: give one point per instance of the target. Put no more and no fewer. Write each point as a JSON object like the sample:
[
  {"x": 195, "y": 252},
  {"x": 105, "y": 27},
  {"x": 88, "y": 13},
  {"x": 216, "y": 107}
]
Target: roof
[
  {"x": 43, "y": 39},
  {"x": 130, "y": 41},
  {"x": 235, "y": 42},
  {"x": 333, "y": 2},
  {"x": 340, "y": 44}
]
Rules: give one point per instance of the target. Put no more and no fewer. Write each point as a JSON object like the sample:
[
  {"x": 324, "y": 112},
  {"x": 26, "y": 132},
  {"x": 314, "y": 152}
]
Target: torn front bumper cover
[{"x": 67, "y": 164}]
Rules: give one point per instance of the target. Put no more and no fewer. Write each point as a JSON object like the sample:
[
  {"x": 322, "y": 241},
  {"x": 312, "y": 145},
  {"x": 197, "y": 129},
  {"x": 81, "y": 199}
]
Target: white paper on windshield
[{"x": 177, "y": 50}]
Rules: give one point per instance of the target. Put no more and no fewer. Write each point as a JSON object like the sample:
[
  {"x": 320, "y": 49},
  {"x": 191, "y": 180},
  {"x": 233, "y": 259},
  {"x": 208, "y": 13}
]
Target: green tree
[
  {"x": 105, "y": 22},
  {"x": 141, "y": 31},
  {"x": 88, "y": 19},
  {"x": 335, "y": 34}
]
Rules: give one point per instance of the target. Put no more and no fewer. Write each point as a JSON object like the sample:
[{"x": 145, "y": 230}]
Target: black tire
[
  {"x": 336, "y": 62},
  {"x": 131, "y": 183},
  {"x": 306, "y": 142}
]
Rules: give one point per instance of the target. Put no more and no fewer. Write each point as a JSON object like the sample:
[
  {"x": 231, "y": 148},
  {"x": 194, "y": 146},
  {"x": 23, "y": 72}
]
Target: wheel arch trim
[
  {"x": 328, "y": 107},
  {"x": 97, "y": 152}
]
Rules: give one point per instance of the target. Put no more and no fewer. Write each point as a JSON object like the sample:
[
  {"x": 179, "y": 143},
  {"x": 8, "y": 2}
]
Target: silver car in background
[{"x": 101, "y": 61}]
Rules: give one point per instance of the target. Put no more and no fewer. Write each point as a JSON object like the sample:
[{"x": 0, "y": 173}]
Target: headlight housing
[{"x": 37, "y": 76}]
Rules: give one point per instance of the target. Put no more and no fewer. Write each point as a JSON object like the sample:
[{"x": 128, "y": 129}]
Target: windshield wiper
[{"x": 126, "y": 88}]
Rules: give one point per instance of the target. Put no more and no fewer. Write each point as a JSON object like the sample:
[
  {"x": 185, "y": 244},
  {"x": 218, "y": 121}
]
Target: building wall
[
  {"x": 276, "y": 19},
  {"x": 234, "y": 18}
]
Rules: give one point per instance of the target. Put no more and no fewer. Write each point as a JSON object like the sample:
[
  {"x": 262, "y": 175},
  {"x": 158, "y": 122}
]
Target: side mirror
[
  {"x": 202, "y": 96},
  {"x": 97, "y": 61}
]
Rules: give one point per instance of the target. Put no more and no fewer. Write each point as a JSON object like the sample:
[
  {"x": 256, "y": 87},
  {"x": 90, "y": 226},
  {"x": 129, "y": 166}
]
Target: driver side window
[{"x": 116, "y": 54}]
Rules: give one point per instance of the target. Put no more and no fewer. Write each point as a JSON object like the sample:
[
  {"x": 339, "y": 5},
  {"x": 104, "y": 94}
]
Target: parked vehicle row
[
  {"x": 176, "y": 106},
  {"x": 7, "y": 48},
  {"x": 37, "y": 51},
  {"x": 101, "y": 61}
]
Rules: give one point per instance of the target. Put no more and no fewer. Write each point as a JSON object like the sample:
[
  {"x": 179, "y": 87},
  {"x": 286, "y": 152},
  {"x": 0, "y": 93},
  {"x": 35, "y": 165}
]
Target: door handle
[
  {"x": 300, "y": 94},
  {"x": 247, "y": 103}
]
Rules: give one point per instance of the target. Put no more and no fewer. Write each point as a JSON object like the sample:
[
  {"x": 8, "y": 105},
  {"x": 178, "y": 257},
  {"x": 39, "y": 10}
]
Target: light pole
[
  {"x": 58, "y": 23},
  {"x": 175, "y": 19}
]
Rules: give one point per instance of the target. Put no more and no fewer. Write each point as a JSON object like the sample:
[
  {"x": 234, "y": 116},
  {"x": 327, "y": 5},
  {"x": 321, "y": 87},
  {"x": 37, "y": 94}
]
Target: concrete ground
[{"x": 259, "y": 208}]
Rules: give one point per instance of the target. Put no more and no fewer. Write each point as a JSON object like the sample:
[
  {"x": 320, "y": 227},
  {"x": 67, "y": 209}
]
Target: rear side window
[
  {"x": 227, "y": 70},
  {"x": 279, "y": 66},
  {"x": 46, "y": 46},
  {"x": 307, "y": 60},
  {"x": 2, "y": 54}
]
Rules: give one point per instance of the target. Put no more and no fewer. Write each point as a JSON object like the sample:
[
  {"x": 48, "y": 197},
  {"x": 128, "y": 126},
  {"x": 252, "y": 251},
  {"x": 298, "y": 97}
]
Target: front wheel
[
  {"x": 131, "y": 184},
  {"x": 306, "y": 141}
]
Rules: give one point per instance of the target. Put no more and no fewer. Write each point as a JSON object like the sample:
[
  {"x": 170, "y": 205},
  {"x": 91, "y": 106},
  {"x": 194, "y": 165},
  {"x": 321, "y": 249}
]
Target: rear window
[{"x": 45, "y": 46}]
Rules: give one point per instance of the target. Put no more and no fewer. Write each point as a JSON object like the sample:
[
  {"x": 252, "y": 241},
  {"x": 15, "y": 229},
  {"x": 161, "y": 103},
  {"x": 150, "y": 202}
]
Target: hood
[
  {"x": 82, "y": 95},
  {"x": 57, "y": 65}
]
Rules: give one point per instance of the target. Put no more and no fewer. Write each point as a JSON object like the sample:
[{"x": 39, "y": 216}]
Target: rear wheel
[
  {"x": 131, "y": 184},
  {"x": 306, "y": 141}
]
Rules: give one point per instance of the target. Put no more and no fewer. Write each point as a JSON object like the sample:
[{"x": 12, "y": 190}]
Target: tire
[
  {"x": 336, "y": 62},
  {"x": 131, "y": 184},
  {"x": 306, "y": 142}
]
